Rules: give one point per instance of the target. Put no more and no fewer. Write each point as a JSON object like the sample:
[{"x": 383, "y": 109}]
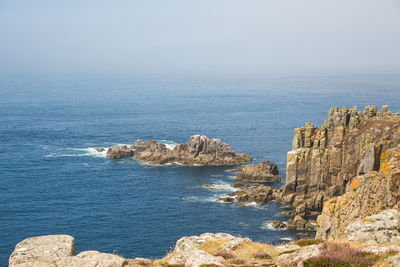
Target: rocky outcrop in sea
[
  {"x": 199, "y": 150},
  {"x": 264, "y": 171}
]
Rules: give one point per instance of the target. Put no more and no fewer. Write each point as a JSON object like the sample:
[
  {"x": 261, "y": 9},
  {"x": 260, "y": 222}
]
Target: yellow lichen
[{"x": 355, "y": 183}]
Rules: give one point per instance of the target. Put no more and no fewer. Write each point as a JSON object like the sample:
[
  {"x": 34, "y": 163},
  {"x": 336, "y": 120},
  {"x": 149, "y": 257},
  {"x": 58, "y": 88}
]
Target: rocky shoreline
[{"x": 347, "y": 172}]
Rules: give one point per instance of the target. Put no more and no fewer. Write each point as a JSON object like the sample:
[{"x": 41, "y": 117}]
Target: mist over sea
[{"x": 52, "y": 180}]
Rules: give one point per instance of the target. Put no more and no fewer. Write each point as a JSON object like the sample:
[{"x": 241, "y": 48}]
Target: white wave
[
  {"x": 169, "y": 144},
  {"x": 287, "y": 238},
  {"x": 268, "y": 225},
  {"x": 200, "y": 199},
  {"x": 79, "y": 152},
  {"x": 92, "y": 152},
  {"x": 250, "y": 204},
  {"x": 232, "y": 177},
  {"x": 223, "y": 186},
  {"x": 144, "y": 163}
]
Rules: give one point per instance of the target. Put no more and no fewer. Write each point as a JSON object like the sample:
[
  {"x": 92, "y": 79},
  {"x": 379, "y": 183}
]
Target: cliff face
[
  {"x": 366, "y": 195},
  {"x": 324, "y": 159}
]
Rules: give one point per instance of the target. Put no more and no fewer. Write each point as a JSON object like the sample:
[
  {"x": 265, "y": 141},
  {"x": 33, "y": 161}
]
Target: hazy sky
[{"x": 203, "y": 36}]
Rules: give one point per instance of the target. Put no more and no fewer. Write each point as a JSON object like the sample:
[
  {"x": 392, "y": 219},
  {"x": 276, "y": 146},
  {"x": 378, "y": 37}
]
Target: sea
[{"x": 53, "y": 181}]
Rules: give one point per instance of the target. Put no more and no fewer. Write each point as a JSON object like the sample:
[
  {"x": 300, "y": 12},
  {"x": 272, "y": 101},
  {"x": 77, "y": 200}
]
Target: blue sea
[{"x": 52, "y": 181}]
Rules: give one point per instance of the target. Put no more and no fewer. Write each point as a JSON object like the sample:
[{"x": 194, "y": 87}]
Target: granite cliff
[
  {"x": 367, "y": 194},
  {"x": 324, "y": 160}
]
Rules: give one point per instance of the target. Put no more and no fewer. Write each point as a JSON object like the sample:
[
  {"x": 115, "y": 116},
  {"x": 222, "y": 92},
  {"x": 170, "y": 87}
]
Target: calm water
[{"x": 52, "y": 182}]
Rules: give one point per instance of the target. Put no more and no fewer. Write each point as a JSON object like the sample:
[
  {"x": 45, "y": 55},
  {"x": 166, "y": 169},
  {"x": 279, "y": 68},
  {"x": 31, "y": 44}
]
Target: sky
[{"x": 229, "y": 37}]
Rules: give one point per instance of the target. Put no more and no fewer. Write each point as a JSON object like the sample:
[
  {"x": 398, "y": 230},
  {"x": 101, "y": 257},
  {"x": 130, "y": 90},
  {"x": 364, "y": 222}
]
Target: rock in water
[
  {"x": 117, "y": 152},
  {"x": 240, "y": 184},
  {"x": 262, "y": 172},
  {"x": 260, "y": 194},
  {"x": 200, "y": 150}
]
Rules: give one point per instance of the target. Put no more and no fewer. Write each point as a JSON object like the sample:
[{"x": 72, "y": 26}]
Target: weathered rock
[
  {"x": 311, "y": 225},
  {"x": 260, "y": 195},
  {"x": 376, "y": 229},
  {"x": 262, "y": 172},
  {"x": 187, "y": 250},
  {"x": 240, "y": 184},
  {"x": 100, "y": 149},
  {"x": 394, "y": 261},
  {"x": 199, "y": 150},
  {"x": 303, "y": 235},
  {"x": 93, "y": 258},
  {"x": 226, "y": 199},
  {"x": 299, "y": 255},
  {"x": 117, "y": 152},
  {"x": 287, "y": 248},
  {"x": 234, "y": 243},
  {"x": 381, "y": 249},
  {"x": 325, "y": 159},
  {"x": 366, "y": 195},
  {"x": 278, "y": 224},
  {"x": 298, "y": 221},
  {"x": 45, "y": 250},
  {"x": 139, "y": 262},
  {"x": 59, "y": 251}
]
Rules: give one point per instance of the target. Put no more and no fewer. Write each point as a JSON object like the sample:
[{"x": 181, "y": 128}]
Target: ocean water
[{"x": 54, "y": 182}]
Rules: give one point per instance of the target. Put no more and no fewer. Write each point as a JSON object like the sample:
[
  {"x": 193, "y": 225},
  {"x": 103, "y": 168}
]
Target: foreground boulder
[
  {"x": 199, "y": 150},
  {"x": 59, "y": 251},
  {"x": 212, "y": 250},
  {"x": 217, "y": 250},
  {"x": 187, "y": 253},
  {"x": 45, "y": 250},
  {"x": 262, "y": 172}
]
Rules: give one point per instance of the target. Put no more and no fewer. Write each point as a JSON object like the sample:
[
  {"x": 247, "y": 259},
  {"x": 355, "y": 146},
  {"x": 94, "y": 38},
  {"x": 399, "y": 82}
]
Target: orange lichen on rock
[{"x": 355, "y": 183}]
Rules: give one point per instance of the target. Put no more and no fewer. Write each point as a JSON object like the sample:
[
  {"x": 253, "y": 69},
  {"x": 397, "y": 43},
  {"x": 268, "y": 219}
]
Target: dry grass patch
[
  {"x": 213, "y": 246},
  {"x": 163, "y": 261},
  {"x": 308, "y": 242},
  {"x": 247, "y": 250}
]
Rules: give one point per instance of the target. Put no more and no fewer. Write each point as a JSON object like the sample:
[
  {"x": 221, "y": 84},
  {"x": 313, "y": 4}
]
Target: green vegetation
[{"x": 308, "y": 242}]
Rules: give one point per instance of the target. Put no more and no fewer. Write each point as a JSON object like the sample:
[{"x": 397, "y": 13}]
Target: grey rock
[{"x": 376, "y": 229}]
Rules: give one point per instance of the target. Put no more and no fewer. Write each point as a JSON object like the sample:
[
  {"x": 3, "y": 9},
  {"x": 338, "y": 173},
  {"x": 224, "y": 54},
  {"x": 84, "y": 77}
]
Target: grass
[
  {"x": 237, "y": 261},
  {"x": 308, "y": 242},
  {"x": 212, "y": 246}
]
